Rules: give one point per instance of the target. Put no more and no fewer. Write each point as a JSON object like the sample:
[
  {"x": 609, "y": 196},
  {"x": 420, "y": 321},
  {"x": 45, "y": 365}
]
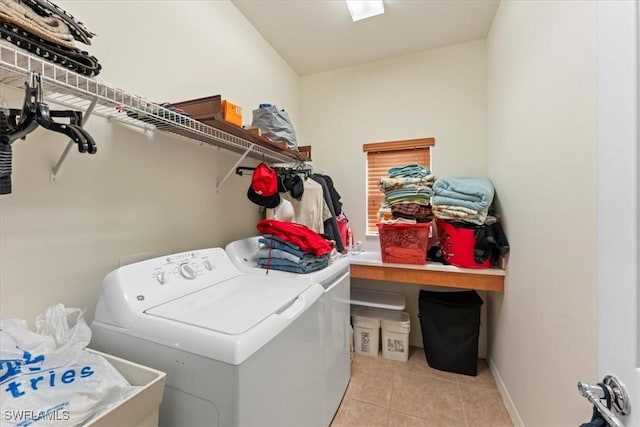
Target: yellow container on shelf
[{"x": 231, "y": 112}]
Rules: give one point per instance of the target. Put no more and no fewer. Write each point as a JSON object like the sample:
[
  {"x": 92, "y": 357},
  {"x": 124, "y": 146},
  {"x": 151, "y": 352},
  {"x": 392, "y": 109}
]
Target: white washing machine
[
  {"x": 238, "y": 350},
  {"x": 336, "y": 336}
]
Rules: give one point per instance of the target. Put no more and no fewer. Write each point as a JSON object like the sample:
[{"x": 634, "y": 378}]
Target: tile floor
[{"x": 385, "y": 392}]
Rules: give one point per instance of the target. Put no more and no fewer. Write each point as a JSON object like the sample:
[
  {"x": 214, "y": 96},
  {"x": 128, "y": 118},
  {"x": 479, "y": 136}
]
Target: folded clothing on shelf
[
  {"x": 278, "y": 254},
  {"x": 47, "y": 31},
  {"x": 473, "y": 192}
]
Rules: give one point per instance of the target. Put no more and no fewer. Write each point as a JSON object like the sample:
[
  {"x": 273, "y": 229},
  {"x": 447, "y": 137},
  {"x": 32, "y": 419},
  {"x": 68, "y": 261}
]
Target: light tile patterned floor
[{"x": 389, "y": 393}]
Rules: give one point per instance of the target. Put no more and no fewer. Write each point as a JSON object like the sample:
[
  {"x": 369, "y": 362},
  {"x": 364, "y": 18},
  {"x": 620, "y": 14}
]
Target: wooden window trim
[{"x": 406, "y": 144}]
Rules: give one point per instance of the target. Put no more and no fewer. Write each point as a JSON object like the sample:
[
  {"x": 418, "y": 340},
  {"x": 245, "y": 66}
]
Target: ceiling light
[{"x": 361, "y": 9}]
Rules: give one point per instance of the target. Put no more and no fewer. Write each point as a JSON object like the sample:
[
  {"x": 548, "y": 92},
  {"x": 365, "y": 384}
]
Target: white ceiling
[{"x": 318, "y": 35}]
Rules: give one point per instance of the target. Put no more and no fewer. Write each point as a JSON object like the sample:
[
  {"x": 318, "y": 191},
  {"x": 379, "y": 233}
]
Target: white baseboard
[{"x": 506, "y": 398}]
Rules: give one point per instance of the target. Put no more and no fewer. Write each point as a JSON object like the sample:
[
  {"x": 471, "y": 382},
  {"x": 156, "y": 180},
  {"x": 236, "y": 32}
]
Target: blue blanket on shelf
[{"x": 473, "y": 192}]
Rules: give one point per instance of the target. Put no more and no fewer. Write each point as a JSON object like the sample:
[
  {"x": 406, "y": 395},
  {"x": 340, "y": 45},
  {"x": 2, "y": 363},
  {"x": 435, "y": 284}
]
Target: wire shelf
[{"x": 67, "y": 88}]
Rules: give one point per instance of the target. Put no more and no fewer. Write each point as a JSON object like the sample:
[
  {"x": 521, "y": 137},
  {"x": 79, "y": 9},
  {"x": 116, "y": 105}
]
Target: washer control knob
[
  {"x": 187, "y": 271},
  {"x": 161, "y": 277},
  {"x": 208, "y": 265}
]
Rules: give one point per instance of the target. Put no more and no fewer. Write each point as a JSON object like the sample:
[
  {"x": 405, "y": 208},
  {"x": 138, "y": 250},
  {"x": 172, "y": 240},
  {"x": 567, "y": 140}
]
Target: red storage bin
[
  {"x": 404, "y": 243},
  {"x": 457, "y": 244}
]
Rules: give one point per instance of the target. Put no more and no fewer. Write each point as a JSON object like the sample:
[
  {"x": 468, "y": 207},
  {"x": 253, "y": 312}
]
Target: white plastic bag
[
  {"x": 48, "y": 378},
  {"x": 275, "y": 124}
]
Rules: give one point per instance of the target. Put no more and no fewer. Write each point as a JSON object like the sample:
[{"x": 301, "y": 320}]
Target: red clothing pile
[{"x": 300, "y": 235}]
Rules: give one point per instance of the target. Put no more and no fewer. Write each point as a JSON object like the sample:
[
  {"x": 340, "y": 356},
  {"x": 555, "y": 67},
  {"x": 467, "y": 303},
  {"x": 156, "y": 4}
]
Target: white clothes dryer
[
  {"x": 238, "y": 350},
  {"x": 336, "y": 335}
]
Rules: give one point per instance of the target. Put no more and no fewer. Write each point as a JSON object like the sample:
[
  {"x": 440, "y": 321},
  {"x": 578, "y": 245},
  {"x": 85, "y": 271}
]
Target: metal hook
[
  {"x": 39, "y": 88},
  {"x": 614, "y": 392}
]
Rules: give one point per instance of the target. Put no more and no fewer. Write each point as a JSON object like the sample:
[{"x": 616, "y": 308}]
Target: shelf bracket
[
  {"x": 63, "y": 156},
  {"x": 233, "y": 168}
]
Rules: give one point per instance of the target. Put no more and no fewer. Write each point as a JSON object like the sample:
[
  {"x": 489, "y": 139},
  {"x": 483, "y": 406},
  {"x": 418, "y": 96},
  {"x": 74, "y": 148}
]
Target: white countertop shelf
[
  {"x": 369, "y": 265},
  {"x": 375, "y": 259}
]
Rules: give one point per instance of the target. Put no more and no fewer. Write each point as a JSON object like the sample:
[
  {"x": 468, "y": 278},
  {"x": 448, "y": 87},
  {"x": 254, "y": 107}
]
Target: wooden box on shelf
[
  {"x": 305, "y": 151},
  {"x": 207, "y": 110}
]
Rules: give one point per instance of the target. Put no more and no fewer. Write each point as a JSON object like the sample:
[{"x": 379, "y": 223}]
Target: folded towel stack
[
  {"x": 465, "y": 198},
  {"x": 407, "y": 195}
]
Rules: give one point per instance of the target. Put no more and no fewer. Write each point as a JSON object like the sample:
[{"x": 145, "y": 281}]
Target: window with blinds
[{"x": 382, "y": 156}]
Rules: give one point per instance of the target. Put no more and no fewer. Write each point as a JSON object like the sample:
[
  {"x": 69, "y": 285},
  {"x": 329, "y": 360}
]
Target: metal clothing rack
[
  {"x": 307, "y": 171},
  {"x": 65, "y": 87}
]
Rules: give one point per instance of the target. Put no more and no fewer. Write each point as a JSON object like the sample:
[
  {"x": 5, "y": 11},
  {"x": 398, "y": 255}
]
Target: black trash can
[{"x": 450, "y": 323}]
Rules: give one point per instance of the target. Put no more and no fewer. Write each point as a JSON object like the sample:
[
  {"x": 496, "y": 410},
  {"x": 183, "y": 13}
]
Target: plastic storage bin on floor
[
  {"x": 450, "y": 323},
  {"x": 395, "y": 327},
  {"x": 140, "y": 409},
  {"x": 366, "y": 332}
]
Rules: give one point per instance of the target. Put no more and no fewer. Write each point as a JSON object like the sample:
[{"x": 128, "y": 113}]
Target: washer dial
[{"x": 187, "y": 271}]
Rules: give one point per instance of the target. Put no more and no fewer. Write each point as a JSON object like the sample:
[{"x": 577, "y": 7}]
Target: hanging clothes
[
  {"x": 335, "y": 196},
  {"x": 315, "y": 202},
  {"x": 309, "y": 210},
  {"x": 331, "y": 229}
]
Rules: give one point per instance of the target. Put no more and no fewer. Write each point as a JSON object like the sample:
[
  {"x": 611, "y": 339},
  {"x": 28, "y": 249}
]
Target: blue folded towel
[
  {"x": 412, "y": 170},
  {"x": 473, "y": 192}
]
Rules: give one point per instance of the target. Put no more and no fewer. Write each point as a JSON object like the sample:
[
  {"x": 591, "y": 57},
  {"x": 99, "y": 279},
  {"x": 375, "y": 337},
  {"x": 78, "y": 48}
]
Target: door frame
[{"x": 618, "y": 94}]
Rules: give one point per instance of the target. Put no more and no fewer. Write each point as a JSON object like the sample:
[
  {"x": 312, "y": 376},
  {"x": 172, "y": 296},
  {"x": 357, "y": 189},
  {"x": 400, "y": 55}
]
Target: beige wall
[
  {"x": 142, "y": 194},
  {"x": 439, "y": 93},
  {"x": 541, "y": 134}
]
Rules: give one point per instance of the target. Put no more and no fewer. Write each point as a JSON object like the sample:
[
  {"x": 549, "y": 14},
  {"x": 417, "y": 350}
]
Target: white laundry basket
[
  {"x": 396, "y": 326},
  {"x": 366, "y": 331}
]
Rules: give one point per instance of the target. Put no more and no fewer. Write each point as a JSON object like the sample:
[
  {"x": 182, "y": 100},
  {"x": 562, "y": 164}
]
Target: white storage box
[
  {"x": 378, "y": 299},
  {"x": 395, "y": 326},
  {"x": 141, "y": 408},
  {"x": 366, "y": 331}
]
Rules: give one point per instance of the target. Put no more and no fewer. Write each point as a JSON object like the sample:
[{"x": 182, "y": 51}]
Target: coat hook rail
[
  {"x": 241, "y": 169},
  {"x": 63, "y": 156},
  {"x": 16, "y": 124}
]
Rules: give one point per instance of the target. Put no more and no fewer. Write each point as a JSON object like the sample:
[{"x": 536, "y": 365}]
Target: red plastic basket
[{"x": 404, "y": 243}]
